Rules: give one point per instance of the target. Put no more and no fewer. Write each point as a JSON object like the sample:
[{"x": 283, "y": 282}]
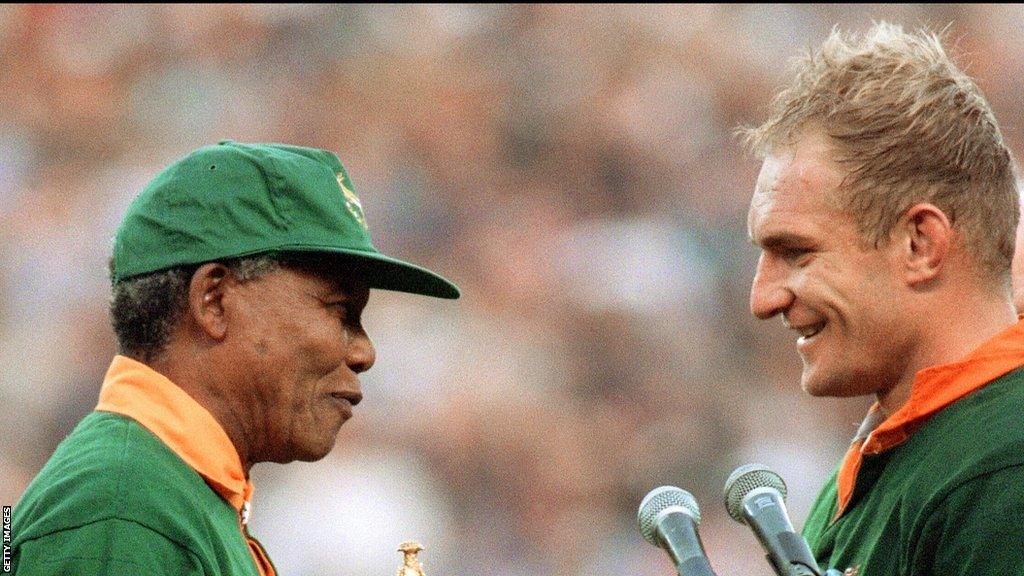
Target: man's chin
[
  {"x": 810, "y": 384},
  {"x": 815, "y": 390},
  {"x": 818, "y": 387},
  {"x": 313, "y": 457},
  {"x": 310, "y": 453},
  {"x": 815, "y": 383}
]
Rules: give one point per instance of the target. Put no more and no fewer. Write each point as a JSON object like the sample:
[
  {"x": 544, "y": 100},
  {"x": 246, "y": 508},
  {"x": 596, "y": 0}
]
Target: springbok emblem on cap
[{"x": 355, "y": 207}]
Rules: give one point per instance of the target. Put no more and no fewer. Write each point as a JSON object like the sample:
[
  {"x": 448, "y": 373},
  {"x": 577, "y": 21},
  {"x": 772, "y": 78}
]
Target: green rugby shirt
[
  {"x": 149, "y": 483},
  {"x": 936, "y": 489}
]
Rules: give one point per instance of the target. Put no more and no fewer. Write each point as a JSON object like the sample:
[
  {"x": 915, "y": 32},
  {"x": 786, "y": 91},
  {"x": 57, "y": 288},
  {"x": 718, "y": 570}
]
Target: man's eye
[
  {"x": 352, "y": 315},
  {"x": 795, "y": 254},
  {"x": 348, "y": 313}
]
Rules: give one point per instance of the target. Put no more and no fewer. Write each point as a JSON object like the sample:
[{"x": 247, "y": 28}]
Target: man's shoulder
[
  {"x": 981, "y": 427},
  {"x": 112, "y": 467},
  {"x": 975, "y": 437}
]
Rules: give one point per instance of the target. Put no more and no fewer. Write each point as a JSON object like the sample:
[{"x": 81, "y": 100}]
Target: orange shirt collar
[
  {"x": 934, "y": 389},
  {"x": 137, "y": 391}
]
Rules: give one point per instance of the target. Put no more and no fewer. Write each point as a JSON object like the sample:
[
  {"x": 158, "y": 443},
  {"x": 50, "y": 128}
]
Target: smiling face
[
  {"x": 300, "y": 344},
  {"x": 842, "y": 299}
]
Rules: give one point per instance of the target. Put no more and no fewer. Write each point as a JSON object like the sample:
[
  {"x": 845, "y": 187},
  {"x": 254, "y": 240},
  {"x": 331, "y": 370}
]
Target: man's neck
[
  {"x": 185, "y": 373},
  {"x": 946, "y": 338}
]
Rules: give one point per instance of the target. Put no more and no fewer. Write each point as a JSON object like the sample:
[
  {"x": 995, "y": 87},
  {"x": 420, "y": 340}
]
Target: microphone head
[
  {"x": 745, "y": 479},
  {"x": 656, "y": 502}
]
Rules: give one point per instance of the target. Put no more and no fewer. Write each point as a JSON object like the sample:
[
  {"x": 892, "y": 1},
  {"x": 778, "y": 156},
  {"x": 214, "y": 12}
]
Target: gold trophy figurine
[{"x": 410, "y": 566}]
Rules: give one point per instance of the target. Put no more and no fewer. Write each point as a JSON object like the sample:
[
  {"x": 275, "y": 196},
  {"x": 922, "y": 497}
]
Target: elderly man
[
  {"x": 239, "y": 277},
  {"x": 885, "y": 212}
]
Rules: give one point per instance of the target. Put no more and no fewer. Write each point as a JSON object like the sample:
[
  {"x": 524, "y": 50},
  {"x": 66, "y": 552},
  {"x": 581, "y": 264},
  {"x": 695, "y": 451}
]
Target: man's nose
[
  {"x": 769, "y": 294},
  {"x": 361, "y": 353}
]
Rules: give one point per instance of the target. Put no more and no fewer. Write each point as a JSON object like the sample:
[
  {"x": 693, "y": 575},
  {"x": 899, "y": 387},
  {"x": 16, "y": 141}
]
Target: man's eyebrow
[
  {"x": 348, "y": 292},
  {"x": 780, "y": 240}
]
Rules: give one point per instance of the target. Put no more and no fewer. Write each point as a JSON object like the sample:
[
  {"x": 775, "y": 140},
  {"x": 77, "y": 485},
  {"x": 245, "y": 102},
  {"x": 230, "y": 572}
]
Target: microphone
[
  {"x": 756, "y": 496},
  {"x": 668, "y": 518}
]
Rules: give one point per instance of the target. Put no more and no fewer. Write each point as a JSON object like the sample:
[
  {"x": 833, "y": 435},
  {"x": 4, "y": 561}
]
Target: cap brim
[{"x": 387, "y": 273}]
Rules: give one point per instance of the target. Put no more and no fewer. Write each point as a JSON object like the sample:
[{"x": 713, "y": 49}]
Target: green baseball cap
[{"x": 236, "y": 199}]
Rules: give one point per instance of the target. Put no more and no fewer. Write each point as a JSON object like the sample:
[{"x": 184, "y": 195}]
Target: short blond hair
[{"x": 910, "y": 127}]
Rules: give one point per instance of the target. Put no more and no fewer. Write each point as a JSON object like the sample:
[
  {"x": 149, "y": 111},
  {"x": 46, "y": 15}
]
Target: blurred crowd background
[{"x": 572, "y": 168}]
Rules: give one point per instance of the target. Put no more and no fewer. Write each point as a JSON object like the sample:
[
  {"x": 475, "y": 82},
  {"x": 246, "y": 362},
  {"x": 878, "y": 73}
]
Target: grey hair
[{"x": 145, "y": 309}]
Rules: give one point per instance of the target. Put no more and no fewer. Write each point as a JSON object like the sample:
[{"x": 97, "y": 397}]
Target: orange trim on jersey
[
  {"x": 135, "y": 390},
  {"x": 847, "y": 478},
  {"x": 934, "y": 389},
  {"x": 260, "y": 556}
]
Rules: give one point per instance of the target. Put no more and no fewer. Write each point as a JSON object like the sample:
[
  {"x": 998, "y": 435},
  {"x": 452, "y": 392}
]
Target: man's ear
[
  {"x": 206, "y": 299},
  {"x": 925, "y": 237}
]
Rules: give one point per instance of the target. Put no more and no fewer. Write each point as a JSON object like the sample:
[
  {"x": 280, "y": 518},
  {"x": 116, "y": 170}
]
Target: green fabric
[
  {"x": 113, "y": 499},
  {"x": 949, "y": 501},
  {"x": 234, "y": 199}
]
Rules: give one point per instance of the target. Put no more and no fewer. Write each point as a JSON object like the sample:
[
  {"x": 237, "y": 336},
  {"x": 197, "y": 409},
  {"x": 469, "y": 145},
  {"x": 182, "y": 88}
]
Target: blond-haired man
[{"x": 885, "y": 212}]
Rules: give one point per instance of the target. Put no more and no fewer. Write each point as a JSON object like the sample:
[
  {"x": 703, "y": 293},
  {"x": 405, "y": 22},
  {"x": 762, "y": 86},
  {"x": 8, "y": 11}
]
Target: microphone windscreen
[
  {"x": 659, "y": 500},
  {"x": 745, "y": 479}
]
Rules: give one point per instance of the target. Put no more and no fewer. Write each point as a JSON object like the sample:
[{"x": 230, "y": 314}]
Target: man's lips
[
  {"x": 352, "y": 397},
  {"x": 345, "y": 400},
  {"x": 808, "y": 332}
]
